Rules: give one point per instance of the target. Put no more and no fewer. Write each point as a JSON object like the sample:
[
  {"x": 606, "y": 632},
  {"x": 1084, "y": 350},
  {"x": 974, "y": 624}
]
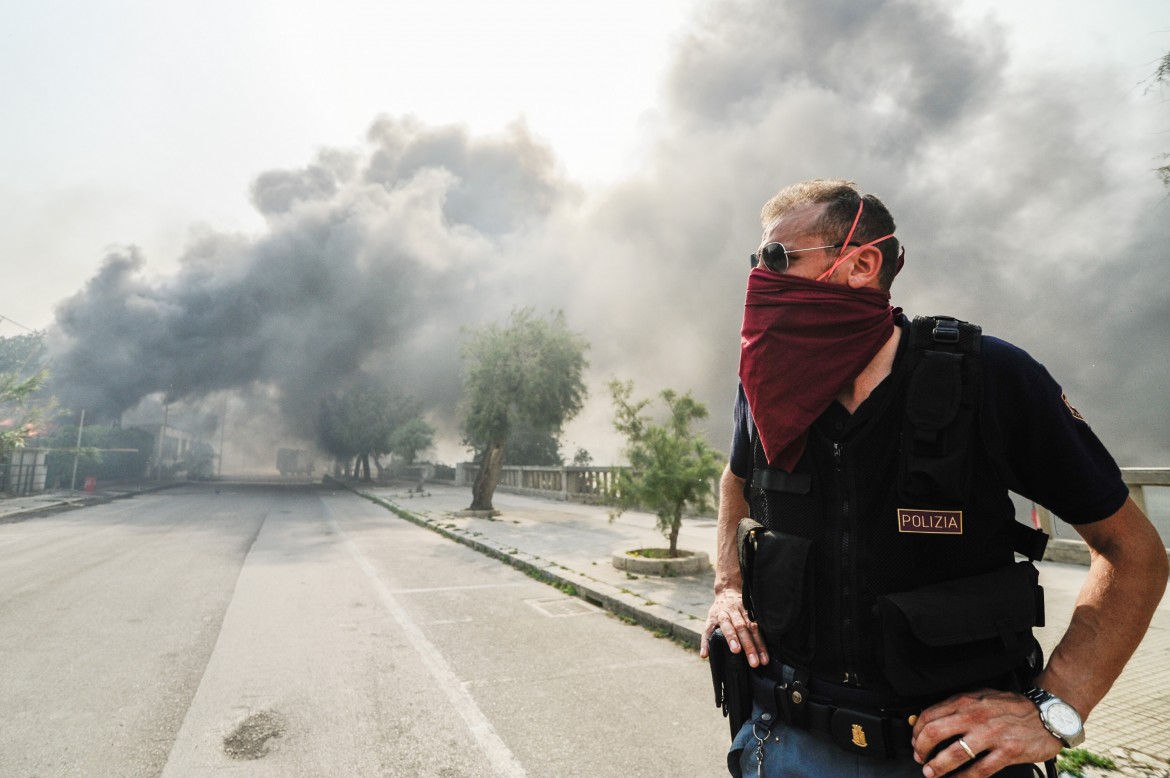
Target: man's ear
[{"x": 866, "y": 268}]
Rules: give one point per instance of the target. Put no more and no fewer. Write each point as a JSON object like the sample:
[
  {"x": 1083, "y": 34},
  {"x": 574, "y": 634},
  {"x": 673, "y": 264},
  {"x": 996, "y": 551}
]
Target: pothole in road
[{"x": 250, "y": 739}]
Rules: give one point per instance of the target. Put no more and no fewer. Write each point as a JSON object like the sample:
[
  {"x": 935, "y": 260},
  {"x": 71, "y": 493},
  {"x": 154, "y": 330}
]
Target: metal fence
[{"x": 23, "y": 471}]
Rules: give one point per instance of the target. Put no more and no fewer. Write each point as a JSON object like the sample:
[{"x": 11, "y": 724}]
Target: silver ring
[{"x": 967, "y": 748}]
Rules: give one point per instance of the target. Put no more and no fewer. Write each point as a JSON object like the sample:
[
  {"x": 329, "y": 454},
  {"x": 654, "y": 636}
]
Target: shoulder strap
[
  {"x": 941, "y": 402},
  {"x": 770, "y": 479}
]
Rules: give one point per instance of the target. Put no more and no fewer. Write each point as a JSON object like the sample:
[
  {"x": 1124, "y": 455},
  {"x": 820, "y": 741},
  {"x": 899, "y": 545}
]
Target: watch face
[{"x": 1064, "y": 718}]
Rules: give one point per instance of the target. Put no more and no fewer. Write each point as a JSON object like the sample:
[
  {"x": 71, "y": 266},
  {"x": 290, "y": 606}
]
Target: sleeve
[
  {"x": 1051, "y": 455},
  {"x": 740, "y": 460}
]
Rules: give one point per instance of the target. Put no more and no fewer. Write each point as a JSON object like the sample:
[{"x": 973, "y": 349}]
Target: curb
[
  {"x": 76, "y": 503},
  {"x": 625, "y": 605}
]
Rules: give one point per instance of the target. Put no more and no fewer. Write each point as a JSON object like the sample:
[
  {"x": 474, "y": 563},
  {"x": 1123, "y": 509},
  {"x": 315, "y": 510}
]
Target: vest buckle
[{"x": 946, "y": 330}]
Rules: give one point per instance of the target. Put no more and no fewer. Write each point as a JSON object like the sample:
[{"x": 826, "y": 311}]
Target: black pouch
[
  {"x": 733, "y": 687},
  {"x": 951, "y": 635},
  {"x": 778, "y": 587}
]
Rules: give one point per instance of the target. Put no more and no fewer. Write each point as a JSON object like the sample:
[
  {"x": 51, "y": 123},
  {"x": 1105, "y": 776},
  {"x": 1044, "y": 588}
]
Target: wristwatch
[{"x": 1058, "y": 717}]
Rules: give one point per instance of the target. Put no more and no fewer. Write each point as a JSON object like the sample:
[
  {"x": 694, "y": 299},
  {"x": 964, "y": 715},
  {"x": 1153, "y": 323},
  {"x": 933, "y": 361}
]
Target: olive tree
[
  {"x": 671, "y": 466},
  {"x": 412, "y": 437},
  {"x": 526, "y": 372},
  {"x": 368, "y": 420}
]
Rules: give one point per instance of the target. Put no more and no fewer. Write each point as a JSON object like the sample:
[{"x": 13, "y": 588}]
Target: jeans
[{"x": 790, "y": 752}]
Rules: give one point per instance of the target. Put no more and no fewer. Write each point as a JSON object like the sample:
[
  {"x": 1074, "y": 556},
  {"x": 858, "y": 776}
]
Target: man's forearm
[
  {"x": 727, "y": 612},
  {"x": 732, "y": 508},
  {"x": 1126, "y": 580}
]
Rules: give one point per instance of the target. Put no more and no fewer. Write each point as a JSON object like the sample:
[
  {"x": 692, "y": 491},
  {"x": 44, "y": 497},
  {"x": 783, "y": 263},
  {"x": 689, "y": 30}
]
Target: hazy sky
[
  {"x": 146, "y": 124},
  {"x": 137, "y": 122}
]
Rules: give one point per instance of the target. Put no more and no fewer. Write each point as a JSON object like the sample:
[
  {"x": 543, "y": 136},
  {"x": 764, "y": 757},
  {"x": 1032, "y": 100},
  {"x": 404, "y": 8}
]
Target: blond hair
[
  {"x": 841, "y": 198},
  {"x": 816, "y": 190}
]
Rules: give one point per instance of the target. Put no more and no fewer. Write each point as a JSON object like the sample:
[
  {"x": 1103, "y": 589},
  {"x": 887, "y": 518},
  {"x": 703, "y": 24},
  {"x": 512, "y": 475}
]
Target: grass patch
[
  {"x": 1074, "y": 761},
  {"x": 657, "y": 553}
]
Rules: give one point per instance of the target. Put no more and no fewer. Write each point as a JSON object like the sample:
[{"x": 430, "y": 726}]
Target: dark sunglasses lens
[
  {"x": 755, "y": 260},
  {"x": 775, "y": 257}
]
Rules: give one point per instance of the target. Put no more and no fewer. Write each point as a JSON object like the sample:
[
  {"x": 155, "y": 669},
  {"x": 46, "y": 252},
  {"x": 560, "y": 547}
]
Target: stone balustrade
[{"x": 588, "y": 485}]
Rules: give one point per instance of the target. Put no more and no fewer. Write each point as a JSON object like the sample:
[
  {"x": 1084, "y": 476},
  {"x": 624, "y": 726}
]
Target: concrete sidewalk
[
  {"x": 571, "y": 545},
  {"x": 17, "y": 508}
]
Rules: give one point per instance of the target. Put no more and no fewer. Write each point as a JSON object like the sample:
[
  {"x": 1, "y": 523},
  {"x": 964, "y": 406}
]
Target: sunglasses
[{"x": 775, "y": 255}]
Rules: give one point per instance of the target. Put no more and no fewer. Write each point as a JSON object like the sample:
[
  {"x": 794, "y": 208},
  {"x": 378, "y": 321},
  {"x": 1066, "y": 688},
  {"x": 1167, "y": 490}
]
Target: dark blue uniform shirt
[{"x": 1050, "y": 454}]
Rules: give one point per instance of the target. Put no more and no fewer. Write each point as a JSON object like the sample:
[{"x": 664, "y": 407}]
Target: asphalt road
[{"x": 281, "y": 630}]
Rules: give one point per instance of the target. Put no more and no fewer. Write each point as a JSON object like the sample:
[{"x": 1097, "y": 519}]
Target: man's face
[{"x": 794, "y": 229}]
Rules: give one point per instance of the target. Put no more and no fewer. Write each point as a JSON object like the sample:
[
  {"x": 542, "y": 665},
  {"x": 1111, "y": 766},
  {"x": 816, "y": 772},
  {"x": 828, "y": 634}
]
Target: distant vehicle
[{"x": 294, "y": 461}]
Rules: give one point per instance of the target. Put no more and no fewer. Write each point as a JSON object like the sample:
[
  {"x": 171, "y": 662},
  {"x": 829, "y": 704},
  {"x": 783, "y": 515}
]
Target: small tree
[
  {"x": 528, "y": 371},
  {"x": 671, "y": 465},
  {"x": 411, "y": 438}
]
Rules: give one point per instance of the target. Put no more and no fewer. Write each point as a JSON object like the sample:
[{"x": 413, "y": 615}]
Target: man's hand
[
  {"x": 727, "y": 613},
  {"x": 1000, "y": 728},
  {"x": 742, "y": 634}
]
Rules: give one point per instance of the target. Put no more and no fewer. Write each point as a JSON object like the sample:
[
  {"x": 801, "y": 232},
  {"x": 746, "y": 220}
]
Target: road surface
[{"x": 293, "y": 630}]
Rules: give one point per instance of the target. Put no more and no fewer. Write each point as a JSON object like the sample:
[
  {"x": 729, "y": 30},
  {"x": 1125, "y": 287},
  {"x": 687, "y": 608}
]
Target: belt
[{"x": 882, "y": 732}]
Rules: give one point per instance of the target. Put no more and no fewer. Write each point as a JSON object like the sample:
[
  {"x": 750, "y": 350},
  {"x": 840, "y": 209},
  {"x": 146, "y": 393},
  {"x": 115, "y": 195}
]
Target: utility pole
[
  {"x": 77, "y": 452},
  {"x": 162, "y": 436},
  {"x": 222, "y": 427}
]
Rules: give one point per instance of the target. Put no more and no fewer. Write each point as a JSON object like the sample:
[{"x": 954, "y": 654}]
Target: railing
[
  {"x": 575, "y": 484},
  {"x": 1074, "y": 550}
]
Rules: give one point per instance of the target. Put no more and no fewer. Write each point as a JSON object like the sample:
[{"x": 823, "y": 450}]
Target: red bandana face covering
[{"x": 802, "y": 342}]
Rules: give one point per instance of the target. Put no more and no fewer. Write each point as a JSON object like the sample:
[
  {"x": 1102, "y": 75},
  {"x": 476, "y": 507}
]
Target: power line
[{"x": 18, "y": 324}]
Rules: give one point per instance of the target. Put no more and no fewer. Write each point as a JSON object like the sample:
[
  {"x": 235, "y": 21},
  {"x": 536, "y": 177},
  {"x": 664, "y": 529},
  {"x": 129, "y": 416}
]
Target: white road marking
[{"x": 494, "y": 748}]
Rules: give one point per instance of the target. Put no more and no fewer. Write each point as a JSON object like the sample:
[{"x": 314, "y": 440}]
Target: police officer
[{"x": 868, "y": 600}]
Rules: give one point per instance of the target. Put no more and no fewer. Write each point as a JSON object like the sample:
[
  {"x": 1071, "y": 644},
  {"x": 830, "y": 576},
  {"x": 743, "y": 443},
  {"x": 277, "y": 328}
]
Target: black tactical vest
[{"x": 903, "y": 494}]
